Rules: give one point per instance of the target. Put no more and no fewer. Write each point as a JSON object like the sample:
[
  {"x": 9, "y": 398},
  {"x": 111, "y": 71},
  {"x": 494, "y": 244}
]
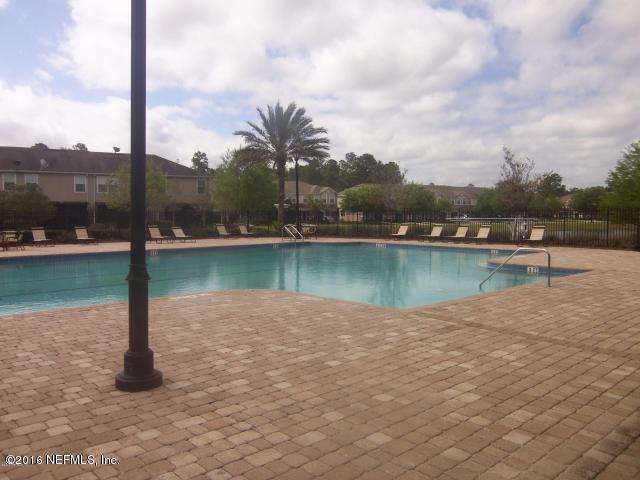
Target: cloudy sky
[{"x": 437, "y": 86}]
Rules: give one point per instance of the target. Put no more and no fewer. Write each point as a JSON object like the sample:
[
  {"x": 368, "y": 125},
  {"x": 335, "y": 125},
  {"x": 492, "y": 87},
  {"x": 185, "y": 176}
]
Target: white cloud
[
  {"x": 41, "y": 116},
  {"x": 401, "y": 79},
  {"x": 320, "y": 49},
  {"x": 3, "y": 3},
  {"x": 43, "y": 75}
]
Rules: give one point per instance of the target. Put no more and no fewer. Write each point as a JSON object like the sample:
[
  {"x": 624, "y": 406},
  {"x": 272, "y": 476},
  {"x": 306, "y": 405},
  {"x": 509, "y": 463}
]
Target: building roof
[
  {"x": 22, "y": 159},
  {"x": 450, "y": 191},
  {"x": 305, "y": 188},
  {"x": 441, "y": 191},
  {"x": 566, "y": 199}
]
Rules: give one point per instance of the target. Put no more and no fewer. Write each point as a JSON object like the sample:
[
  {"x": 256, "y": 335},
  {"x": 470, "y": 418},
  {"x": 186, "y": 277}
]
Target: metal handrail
[
  {"x": 293, "y": 232},
  {"x": 523, "y": 249}
]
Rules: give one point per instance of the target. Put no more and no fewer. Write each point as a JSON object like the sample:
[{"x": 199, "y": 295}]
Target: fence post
[
  {"x": 564, "y": 226},
  {"x": 607, "y": 231},
  {"x": 637, "y": 245}
]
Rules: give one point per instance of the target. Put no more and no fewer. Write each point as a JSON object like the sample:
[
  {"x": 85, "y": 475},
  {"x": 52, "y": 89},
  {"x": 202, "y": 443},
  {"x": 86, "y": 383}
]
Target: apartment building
[{"x": 80, "y": 178}]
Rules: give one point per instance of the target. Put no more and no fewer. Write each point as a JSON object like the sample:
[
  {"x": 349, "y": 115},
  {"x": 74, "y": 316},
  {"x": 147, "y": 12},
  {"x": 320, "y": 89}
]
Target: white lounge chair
[
  {"x": 155, "y": 235},
  {"x": 461, "y": 233},
  {"x": 536, "y": 235},
  {"x": 83, "y": 236},
  {"x": 483, "y": 234},
  {"x": 222, "y": 231},
  {"x": 402, "y": 232},
  {"x": 179, "y": 234},
  {"x": 244, "y": 231},
  {"x": 40, "y": 237},
  {"x": 436, "y": 232}
]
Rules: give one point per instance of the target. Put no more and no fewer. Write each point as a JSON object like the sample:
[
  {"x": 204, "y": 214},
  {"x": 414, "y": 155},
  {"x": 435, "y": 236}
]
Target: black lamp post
[
  {"x": 297, "y": 197},
  {"x": 138, "y": 373}
]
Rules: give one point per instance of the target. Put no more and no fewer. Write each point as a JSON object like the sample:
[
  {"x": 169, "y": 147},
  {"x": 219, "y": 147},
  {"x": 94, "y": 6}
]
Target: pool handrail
[
  {"x": 293, "y": 232},
  {"x": 522, "y": 249}
]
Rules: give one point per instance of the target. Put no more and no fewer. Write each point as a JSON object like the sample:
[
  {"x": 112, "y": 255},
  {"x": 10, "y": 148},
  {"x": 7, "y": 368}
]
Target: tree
[
  {"x": 414, "y": 197},
  {"x": 624, "y": 180},
  {"x": 284, "y": 135},
  {"x": 550, "y": 183},
  {"x": 331, "y": 174},
  {"x": 118, "y": 194},
  {"x": 200, "y": 163},
  {"x": 364, "y": 168},
  {"x": 516, "y": 185},
  {"x": 243, "y": 187},
  {"x": 315, "y": 206},
  {"x": 40, "y": 146},
  {"x": 588, "y": 200},
  {"x": 80, "y": 146},
  {"x": 366, "y": 198},
  {"x": 549, "y": 203},
  {"x": 488, "y": 204},
  {"x": 388, "y": 173},
  {"x": 25, "y": 206},
  {"x": 443, "y": 205}
]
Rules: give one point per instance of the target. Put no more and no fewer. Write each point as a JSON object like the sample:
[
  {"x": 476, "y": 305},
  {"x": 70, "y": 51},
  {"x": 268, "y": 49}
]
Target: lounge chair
[
  {"x": 83, "y": 236},
  {"x": 483, "y": 234},
  {"x": 536, "y": 235},
  {"x": 461, "y": 233},
  {"x": 309, "y": 229},
  {"x": 402, "y": 231},
  {"x": 40, "y": 237},
  {"x": 179, "y": 234},
  {"x": 154, "y": 234},
  {"x": 436, "y": 232},
  {"x": 244, "y": 231},
  {"x": 10, "y": 239},
  {"x": 222, "y": 231}
]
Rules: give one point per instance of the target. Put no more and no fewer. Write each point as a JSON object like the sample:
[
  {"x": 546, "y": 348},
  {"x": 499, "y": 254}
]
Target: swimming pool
[{"x": 392, "y": 275}]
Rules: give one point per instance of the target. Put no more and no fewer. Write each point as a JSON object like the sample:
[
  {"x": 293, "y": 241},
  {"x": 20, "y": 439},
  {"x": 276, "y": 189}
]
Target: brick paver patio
[{"x": 525, "y": 383}]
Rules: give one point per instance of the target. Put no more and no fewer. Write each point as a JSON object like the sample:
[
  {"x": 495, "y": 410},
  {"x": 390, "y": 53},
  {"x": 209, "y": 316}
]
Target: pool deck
[{"x": 525, "y": 383}]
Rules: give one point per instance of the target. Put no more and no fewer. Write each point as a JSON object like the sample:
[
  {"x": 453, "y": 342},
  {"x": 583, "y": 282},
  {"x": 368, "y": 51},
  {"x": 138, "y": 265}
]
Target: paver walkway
[{"x": 525, "y": 383}]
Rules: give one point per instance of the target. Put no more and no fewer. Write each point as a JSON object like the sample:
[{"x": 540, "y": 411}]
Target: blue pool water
[{"x": 400, "y": 276}]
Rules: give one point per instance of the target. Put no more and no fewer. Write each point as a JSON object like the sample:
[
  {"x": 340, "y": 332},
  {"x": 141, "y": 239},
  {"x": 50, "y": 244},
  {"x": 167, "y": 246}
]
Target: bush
[
  {"x": 201, "y": 232},
  {"x": 104, "y": 231}
]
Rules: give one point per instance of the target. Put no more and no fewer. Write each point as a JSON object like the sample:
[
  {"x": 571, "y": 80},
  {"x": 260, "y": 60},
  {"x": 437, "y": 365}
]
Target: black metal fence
[{"x": 607, "y": 228}]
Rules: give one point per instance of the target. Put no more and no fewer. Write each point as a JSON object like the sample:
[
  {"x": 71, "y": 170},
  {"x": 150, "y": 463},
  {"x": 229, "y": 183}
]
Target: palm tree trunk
[{"x": 280, "y": 168}]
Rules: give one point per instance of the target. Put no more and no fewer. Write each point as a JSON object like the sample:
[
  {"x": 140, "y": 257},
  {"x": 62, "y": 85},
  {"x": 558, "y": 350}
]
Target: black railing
[{"x": 607, "y": 228}]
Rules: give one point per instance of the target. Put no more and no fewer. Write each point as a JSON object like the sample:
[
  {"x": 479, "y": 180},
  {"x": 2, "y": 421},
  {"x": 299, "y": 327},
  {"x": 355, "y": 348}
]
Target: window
[
  {"x": 103, "y": 184},
  {"x": 79, "y": 183},
  {"x": 8, "y": 181},
  {"x": 332, "y": 200},
  {"x": 202, "y": 185},
  {"x": 31, "y": 179}
]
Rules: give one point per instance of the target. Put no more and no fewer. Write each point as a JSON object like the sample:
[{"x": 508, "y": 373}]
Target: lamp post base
[{"x": 138, "y": 374}]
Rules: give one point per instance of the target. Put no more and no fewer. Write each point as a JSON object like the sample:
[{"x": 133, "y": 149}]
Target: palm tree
[{"x": 285, "y": 135}]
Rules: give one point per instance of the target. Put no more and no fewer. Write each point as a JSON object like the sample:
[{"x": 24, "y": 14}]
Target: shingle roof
[
  {"x": 21, "y": 159},
  {"x": 305, "y": 188},
  {"x": 449, "y": 191}
]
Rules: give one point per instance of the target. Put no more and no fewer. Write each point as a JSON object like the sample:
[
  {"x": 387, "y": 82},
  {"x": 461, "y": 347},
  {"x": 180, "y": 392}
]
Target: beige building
[
  {"x": 462, "y": 198},
  {"x": 307, "y": 193},
  {"x": 80, "y": 177}
]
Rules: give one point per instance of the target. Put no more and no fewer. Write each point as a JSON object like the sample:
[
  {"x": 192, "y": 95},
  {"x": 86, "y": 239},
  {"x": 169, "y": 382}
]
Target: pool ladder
[
  {"x": 518, "y": 250},
  {"x": 290, "y": 232}
]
